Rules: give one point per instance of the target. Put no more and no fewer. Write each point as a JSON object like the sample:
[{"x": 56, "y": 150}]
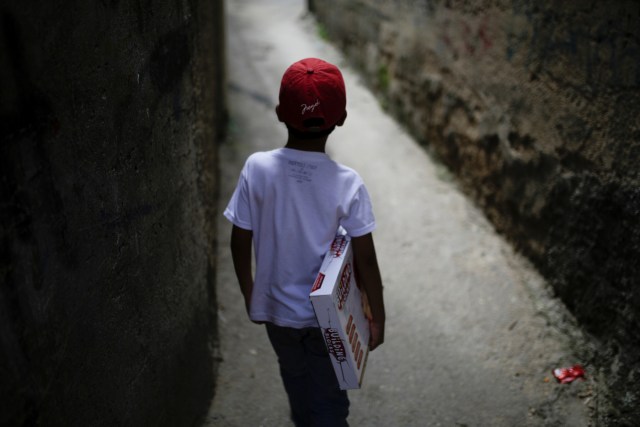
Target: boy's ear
[
  {"x": 341, "y": 121},
  {"x": 278, "y": 113}
]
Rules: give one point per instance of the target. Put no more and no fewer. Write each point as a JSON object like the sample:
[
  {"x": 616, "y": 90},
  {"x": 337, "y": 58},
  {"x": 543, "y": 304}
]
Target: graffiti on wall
[
  {"x": 601, "y": 52},
  {"x": 465, "y": 36},
  {"x": 602, "y": 55}
]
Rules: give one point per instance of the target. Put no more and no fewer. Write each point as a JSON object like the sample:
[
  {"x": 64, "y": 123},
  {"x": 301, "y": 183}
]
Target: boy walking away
[{"x": 289, "y": 203}]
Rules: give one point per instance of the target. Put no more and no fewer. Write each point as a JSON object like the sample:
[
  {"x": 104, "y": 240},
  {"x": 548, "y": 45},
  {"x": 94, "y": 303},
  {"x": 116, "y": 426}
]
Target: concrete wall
[
  {"x": 534, "y": 105},
  {"x": 109, "y": 115}
]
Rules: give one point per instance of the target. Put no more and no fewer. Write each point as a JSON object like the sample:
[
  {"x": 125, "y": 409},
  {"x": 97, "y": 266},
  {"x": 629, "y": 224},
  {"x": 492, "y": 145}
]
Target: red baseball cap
[{"x": 312, "y": 89}]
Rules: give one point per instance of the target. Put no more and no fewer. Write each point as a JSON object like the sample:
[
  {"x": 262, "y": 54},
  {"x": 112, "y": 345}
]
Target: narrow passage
[{"x": 472, "y": 334}]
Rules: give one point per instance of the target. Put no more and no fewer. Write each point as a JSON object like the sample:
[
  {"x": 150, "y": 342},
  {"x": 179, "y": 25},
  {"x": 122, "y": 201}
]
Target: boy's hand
[
  {"x": 376, "y": 334},
  {"x": 368, "y": 273}
]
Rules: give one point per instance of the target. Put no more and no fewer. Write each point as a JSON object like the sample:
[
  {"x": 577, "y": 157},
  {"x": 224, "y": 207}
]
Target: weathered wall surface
[
  {"x": 535, "y": 106},
  {"x": 108, "y": 115}
]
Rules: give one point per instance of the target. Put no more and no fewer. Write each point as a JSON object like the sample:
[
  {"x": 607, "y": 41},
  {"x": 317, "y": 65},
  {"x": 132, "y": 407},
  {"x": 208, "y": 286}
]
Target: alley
[{"x": 472, "y": 332}]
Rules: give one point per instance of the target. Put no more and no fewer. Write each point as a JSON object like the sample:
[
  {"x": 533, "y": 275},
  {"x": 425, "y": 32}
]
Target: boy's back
[{"x": 294, "y": 201}]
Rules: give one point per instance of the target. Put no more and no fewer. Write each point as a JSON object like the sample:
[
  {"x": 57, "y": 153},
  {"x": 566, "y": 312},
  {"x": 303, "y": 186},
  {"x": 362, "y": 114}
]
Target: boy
[{"x": 289, "y": 203}]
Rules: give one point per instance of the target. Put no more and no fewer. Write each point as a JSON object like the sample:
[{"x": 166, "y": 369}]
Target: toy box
[{"x": 339, "y": 307}]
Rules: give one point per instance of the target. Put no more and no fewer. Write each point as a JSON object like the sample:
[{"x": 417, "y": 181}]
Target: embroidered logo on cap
[{"x": 309, "y": 108}]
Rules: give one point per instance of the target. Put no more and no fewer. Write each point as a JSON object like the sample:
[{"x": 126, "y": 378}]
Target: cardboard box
[{"x": 338, "y": 304}]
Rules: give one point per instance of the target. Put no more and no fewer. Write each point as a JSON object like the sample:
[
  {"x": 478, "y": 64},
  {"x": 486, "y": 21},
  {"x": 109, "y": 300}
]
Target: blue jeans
[{"x": 315, "y": 397}]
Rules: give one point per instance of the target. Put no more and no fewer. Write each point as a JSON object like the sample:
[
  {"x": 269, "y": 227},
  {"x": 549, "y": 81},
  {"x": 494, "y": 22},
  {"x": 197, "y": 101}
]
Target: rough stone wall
[
  {"x": 534, "y": 105},
  {"x": 109, "y": 116}
]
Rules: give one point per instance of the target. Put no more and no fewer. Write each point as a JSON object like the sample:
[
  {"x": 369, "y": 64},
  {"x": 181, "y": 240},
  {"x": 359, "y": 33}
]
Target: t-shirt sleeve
[
  {"x": 238, "y": 210},
  {"x": 360, "y": 220}
]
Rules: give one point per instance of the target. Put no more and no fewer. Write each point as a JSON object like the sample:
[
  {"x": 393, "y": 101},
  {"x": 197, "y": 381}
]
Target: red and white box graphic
[{"x": 339, "y": 306}]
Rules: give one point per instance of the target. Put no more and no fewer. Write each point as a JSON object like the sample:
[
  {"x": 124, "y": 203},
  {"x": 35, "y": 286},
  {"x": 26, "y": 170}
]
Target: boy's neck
[{"x": 316, "y": 144}]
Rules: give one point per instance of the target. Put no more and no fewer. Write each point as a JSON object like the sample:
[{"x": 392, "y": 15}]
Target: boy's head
[{"x": 312, "y": 98}]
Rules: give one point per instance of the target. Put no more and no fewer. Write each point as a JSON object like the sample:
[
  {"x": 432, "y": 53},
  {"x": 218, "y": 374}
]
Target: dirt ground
[{"x": 472, "y": 330}]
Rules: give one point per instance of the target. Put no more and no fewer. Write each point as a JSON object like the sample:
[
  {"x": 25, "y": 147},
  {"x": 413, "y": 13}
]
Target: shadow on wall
[{"x": 108, "y": 127}]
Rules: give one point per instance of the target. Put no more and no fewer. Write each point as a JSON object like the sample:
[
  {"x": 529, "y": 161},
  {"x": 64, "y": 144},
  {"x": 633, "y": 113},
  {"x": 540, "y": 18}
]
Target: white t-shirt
[{"x": 294, "y": 201}]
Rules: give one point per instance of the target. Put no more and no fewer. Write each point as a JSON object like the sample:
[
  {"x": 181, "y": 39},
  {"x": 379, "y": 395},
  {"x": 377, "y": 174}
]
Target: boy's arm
[
  {"x": 366, "y": 264},
  {"x": 241, "y": 241}
]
